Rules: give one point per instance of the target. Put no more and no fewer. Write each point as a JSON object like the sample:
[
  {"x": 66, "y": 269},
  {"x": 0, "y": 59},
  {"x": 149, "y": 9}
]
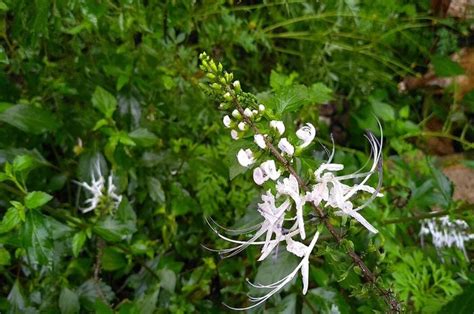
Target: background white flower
[
  {"x": 245, "y": 157},
  {"x": 306, "y": 134}
]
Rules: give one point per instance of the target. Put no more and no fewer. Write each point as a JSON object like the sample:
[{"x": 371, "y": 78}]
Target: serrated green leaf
[
  {"x": 30, "y": 119},
  {"x": 319, "y": 93},
  {"x": 291, "y": 98},
  {"x": 37, "y": 199},
  {"x": 104, "y": 101},
  {"x": 37, "y": 240},
  {"x": 68, "y": 301}
]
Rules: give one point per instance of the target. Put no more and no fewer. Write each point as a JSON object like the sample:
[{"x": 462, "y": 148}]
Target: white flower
[
  {"x": 278, "y": 285},
  {"x": 278, "y": 125},
  {"x": 286, "y": 147},
  {"x": 99, "y": 193},
  {"x": 446, "y": 232},
  {"x": 226, "y": 120},
  {"x": 267, "y": 170},
  {"x": 242, "y": 126},
  {"x": 248, "y": 112},
  {"x": 234, "y": 134},
  {"x": 260, "y": 141},
  {"x": 289, "y": 186},
  {"x": 306, "y": 134},
  {"x": 254, "y": 112},
  {"x": 236, "y": 85},
  {"x": 245, "y": 157},
  {"x": 236, "y": 113},
  {"x": 261, "y": 108}
]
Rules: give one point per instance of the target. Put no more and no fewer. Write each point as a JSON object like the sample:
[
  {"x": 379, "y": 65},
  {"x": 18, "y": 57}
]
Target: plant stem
[
  {"x": 367, "y": 273},
  {"x": 461, "y": 209}
]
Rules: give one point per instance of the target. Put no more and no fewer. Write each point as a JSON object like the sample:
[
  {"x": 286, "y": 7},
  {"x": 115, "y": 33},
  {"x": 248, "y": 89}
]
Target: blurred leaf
[
  {"x": 113, "y": 260},
  {"x": 10, "y": 220},
  {"x": 167, "y": 279},
  {"x": 279, "y": 81},
  {"x": 155, "y": 190},
  {"x": 286, "y": 306},
  {"x": 78, "y": 242},
  {"x": 16, "y": 299},
  {"x": 113, "y": 230},
  {"x": 68, "y": 301},
  {"x": 143, "y": 137},
  {"x": 445, "y": 67},
  {"x": 30, "y": 119},
  {"x": 147, "y": 303},
  {"x": 462, "y": 304},
  {"x": 4, "y": 257},
  {"x": 383, "y": 110},
  {"x": 443, "y": 184},
  {"x": 104, "y": 101},
  {"x": 37, "y": 199},
  {"x": 319, "y": 93}
]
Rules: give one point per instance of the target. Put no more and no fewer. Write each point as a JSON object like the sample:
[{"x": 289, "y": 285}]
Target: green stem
[{"x": 461, "y": 209}]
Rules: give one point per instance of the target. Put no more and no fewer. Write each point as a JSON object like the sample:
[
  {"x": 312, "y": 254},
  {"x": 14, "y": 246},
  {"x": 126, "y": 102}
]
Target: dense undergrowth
[{"x": 92, "y": 90}]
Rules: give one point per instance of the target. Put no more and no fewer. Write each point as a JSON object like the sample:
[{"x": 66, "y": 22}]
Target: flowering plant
[{"x": 289, "y": 199}]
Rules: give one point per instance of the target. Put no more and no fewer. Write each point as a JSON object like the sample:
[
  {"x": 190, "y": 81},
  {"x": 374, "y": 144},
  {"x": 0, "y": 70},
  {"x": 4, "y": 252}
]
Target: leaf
[
  {"x": 155, "y": 190},
  {"x": 319, "y": 93},
  {"x": 16, "y": 299},
  {"x": 279, "y": 81},
  {"x": 78, "y": 242},
  {"x": 37, "y": 199},
  {"x": 271, "y": 270},
  {"x": 382, "y": 110},
  {"x": 104, "y": 101},
  {"x": 102, "y": 308},
  {"x": 143, "y": 137},
  {"x": 113, "y": 260},
  {"x": 286, "y": 306},
  {"x": 30, "y": 119},
  {"x": 4, "y": 257},
  {"x": 167, "y": 279},
  {"x": 3, "y": 54},
  {"x": 10, "y": 220},
  {"x": 68, "y": 301},
  {"x": 147, "y": 303},
  {"x": 461, "y": 304},
  {"x": 443, "y": 184},
  {"x": 24, "y": 163},
  {"x": 445, "y": 67},
  {"x": 290, "y": 99},
  {"x": 36, "y": 240},
  {"x": 110, "y": 229}
]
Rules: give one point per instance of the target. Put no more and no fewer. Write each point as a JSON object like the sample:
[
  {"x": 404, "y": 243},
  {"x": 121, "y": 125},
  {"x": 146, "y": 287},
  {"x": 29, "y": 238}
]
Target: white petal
[
  {"x": 306, "y": 134},
  {"x": 248, "y": 112},
  {"x": 245, "y": 157},
  {"x": 259, "y": 176},
  {"x": 234, "y": 134},
  {"x": 305, "y": 275},
  {"x": 242, "y": 126},
  {"x": 278, "y": 125},
  {"x": 286, "y": 147},
  {"x": 260, "y": 141},
  {"x": 269, "y": 168},
  {"x": 261, "y": 107},
  {"x": 226, "y": 120},
  {"x": 235, "y": 113}
]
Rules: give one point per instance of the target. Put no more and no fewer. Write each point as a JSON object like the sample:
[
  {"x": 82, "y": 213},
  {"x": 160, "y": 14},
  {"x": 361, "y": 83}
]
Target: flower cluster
[
  {"x": 446, "y": 232},
  {"x": 283, "y": 203},
  {"x": 100, "y": 195}
]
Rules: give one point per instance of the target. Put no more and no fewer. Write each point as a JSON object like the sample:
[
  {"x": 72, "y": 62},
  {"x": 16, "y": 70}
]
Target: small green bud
[
  {"x": 237, "y": 86},
  {"x": 211, "y": 76},
  {"x": 222, "y": 80},
  {"x": 220, "y": 67},
  {"x": 216, "y": 86},
  {"x": 227, "y": 96},
  {"x": 358, "y": 270},
  {"x": 213, "y": 66}
]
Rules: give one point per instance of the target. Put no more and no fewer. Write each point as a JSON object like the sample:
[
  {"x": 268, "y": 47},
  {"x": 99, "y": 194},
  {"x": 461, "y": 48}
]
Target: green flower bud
[{"x": 211, "y": 76}]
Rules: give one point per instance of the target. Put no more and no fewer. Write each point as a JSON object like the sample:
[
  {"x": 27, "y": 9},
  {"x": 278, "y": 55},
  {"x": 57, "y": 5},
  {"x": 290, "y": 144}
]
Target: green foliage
[
  {"x": 114, "y": 85},
  {"x": 423, "y": 283}
]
